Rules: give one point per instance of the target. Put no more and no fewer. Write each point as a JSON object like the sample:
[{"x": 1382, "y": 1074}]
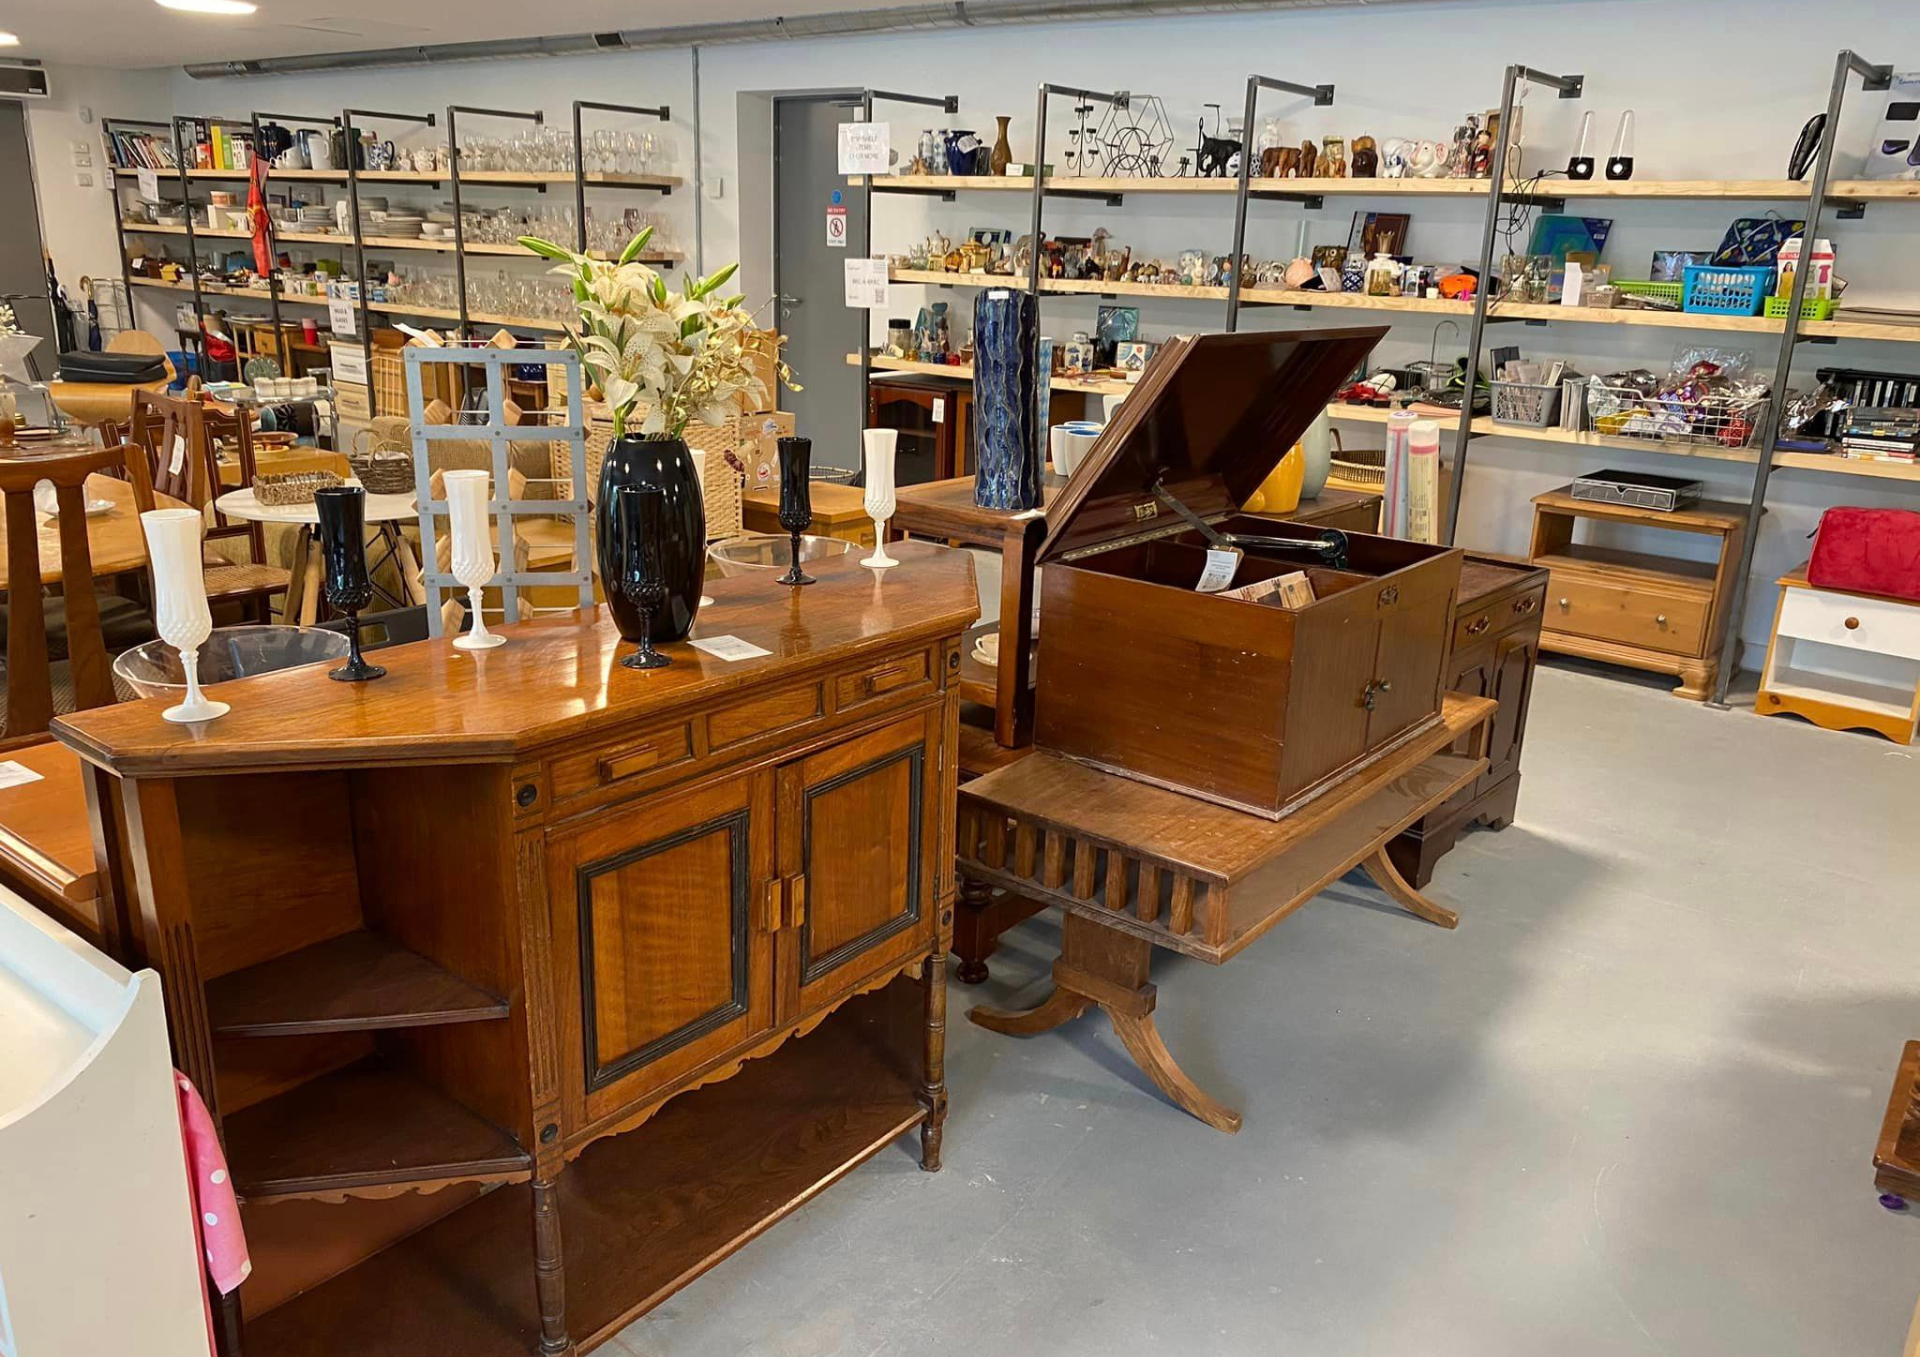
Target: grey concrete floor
[{"x": 1627, "y": 1107}]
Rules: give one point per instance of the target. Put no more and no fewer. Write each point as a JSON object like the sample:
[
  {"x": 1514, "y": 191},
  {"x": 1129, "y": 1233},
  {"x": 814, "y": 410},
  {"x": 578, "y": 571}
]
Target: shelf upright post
[
  {"x": 1569, "y": 87},
  {"x": 281, "y": 345},
  {"x": 459, "y": 217},
  {"x": 1322, "y": 96},
  {"x": 1872, "y": 79},
  {"x": 107, "y": 126},
  {"x": 193, "y": 251},
  {"x": 1043, "y": 380},
  {"x": 360, "y": 287},
  {"x": 663, "y": 113},
  {"x": 947, "y": 103}
]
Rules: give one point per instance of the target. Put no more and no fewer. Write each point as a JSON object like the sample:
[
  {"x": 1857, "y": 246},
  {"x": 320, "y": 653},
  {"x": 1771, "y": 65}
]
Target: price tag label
[
  {"x": 1219, "y": 571},
  {"x": 149, "y": 185},
  {"x": 341, "y": 316},
  {"x": 178, "y": 460},
  {"x": 939, "y": 409},
  {"x": 866, "y": 281},
  {"x": 866, "y": 148},
  {"x": 728, "y": 648}
]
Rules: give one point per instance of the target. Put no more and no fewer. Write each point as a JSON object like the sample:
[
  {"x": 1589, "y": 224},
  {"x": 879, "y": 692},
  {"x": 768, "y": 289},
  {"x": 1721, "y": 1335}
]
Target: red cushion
[{"x": 1867, "y": 551}]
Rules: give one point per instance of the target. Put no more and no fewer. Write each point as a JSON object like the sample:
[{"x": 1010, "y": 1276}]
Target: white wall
[
  {"x": 1399, "y": 71},
  {"x": 76, "y": 221}
]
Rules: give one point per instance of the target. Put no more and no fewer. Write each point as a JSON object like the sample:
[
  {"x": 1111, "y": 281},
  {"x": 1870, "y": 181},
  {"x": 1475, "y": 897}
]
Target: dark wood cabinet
[{"x": 1495, "y": 649}]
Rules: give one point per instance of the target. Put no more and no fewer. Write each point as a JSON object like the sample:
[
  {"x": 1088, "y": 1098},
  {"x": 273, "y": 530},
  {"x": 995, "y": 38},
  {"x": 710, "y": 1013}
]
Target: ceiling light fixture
[
  {"x": 9, "y": 40},
  {"x": 228, "y": 7}
]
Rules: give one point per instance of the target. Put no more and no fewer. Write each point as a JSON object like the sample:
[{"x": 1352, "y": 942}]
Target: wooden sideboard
[{"x": 440, "y": 949}]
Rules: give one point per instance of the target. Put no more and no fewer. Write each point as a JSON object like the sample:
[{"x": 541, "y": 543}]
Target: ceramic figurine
[
  {"x": 1480, "y": 162},
  {"x": 1332, "y": 163},
  {"x": 1366, "y": 158}
]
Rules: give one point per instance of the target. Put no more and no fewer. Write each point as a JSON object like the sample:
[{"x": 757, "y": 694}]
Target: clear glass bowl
[
  {"x": 755, "y": 552},
  {"x": 153, "y": 669}
]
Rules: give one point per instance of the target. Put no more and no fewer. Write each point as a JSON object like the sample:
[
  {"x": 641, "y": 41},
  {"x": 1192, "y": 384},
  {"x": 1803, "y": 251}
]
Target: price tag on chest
[{"x": 1221, "y": 565}]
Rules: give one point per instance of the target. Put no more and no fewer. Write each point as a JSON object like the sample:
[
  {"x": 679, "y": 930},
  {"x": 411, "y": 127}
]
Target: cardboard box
[
  {"x": 755, "y": 441},
  {"x": 765, "y": 351}
]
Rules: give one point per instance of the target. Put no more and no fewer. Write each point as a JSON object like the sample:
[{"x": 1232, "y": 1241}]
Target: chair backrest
[
  {"x": 29, "y": 671},
  {"x": 172, "y": 431}
]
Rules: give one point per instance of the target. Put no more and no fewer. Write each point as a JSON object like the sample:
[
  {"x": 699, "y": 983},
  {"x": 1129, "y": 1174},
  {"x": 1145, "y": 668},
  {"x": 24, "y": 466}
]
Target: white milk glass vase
[
  {"x": 180, "y": 607},
  {"x": 472, "y": 551},
  {"x": 880, "y": 503}
]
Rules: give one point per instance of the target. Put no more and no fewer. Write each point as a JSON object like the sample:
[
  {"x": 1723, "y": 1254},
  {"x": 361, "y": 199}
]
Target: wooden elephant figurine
[
  {"x": 1309, "y": 154},
  {"x": 1366, "y": 158}
]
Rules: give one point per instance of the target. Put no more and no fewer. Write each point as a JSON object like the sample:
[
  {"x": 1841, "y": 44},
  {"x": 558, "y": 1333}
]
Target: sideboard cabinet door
[
  {"x": 857, "y": 837},
  {"x": 659, "y": 912}
]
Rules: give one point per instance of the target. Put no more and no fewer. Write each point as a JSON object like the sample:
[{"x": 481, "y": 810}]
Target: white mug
[{"x": 1071, "y": 442}]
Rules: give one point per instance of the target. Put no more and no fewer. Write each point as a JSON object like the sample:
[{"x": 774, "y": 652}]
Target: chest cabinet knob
[{"x": 1853, "y": 624}]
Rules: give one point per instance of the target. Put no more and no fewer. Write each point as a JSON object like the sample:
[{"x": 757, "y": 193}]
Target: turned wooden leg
[
  {"x": 1101, "y": 965},
  {"x": 933, "y": 1084},
  {"x": 973, "y": 942},
  {"x": 1380, "y": 868},
  {"x": 549, "y": 1276}
]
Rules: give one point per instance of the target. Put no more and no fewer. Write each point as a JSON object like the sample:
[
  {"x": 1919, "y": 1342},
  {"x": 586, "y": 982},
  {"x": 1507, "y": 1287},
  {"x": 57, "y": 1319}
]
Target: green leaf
[
  {"x": 546, "y": 247},
  {"x": 659, "y": 291},
  {"x": 635, "y": 246}
]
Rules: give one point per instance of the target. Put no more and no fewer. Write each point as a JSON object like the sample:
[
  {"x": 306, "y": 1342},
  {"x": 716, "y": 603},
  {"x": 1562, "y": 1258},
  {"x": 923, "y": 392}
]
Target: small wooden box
[{"x": 1248, "y": 704}]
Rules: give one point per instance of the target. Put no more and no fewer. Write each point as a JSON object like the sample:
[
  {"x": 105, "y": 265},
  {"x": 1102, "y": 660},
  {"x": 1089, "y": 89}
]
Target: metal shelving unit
[
  {"x": 273, "y": 274},
  {"x": 1322, "y": 96},
  {"x": 537, "y": 118},
  {"x": 360, "y": 287},
  {"x": 663, "y": 113}
]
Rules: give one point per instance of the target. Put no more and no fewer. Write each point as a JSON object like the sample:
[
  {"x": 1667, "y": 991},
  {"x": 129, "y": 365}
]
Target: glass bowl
[
  {"x": 755, "y": 552},
  {"x": 153, "y": 669}
]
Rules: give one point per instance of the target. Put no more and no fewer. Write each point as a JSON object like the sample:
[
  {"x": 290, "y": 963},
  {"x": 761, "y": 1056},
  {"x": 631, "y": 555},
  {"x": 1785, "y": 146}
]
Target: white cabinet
[{"x": 1843, "y": 661}]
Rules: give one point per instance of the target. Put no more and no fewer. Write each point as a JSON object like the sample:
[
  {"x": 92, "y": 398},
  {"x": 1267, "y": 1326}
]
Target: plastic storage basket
[
  {"x": 1726, "y": 292},
  {"x": 1672, "y": 292},
  {"x": 1526, "y": 403},
  {"x": 1811, "y": 308}
]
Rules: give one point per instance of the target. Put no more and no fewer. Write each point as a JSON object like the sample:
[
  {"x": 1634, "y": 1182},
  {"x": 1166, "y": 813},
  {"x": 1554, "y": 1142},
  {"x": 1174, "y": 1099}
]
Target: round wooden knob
[
  {"x": 1563, "y": 603},
  {"x": 1853, "y": 624},
  {"x": 1661, "y": 619}
]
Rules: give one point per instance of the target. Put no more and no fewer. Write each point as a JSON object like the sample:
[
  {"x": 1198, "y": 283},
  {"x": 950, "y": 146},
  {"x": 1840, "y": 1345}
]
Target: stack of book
[
  {"x": 1885, "y": 433},
  {"x": 139, "y": 151}
]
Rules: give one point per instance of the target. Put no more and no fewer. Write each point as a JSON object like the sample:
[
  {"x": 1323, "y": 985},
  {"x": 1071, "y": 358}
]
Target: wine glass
[
  {"x": 642, "y": 521},
  {"x": 472, "y": 552},
  {"x": 342, "y": 511},
  {"x": 796, "y": 501},
  {"x": 180, "y": 611},
  {"x": 879, "y": 502}
]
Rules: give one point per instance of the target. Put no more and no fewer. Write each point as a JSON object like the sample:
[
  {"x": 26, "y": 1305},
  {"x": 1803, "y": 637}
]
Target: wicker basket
[
  {"x": 721, "y": 486},
  {"x": 293, "y": 487},
  {"x": 385, "y": 471},
  {"x": 1361, "y": 475}
]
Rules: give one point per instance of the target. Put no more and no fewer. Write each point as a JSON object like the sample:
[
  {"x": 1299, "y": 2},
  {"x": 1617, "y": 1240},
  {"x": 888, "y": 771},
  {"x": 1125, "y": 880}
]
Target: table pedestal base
[{"x": 1102, "y": 966}]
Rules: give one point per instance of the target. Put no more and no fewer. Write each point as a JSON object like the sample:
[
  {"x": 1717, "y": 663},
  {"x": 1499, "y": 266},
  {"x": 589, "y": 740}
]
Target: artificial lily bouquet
[{"x": 687, "y": 356}]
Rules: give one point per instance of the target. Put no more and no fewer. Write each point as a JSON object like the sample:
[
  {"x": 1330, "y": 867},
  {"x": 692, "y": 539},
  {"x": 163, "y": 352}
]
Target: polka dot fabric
[{"x": 219, "y": 1210}]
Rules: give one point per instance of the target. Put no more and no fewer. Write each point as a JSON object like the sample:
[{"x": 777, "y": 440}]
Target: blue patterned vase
[{"x": 1005, "y": 400}]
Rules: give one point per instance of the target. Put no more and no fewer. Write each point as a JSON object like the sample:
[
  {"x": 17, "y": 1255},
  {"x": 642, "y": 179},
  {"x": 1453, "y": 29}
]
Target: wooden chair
[
  {"x": 181, "y": 437},
  {"x": 38, "y": 687}
]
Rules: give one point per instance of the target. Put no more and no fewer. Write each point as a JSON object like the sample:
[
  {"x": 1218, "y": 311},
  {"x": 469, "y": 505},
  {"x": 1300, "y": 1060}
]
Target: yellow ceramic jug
[{"x": 1279, "y": 493}]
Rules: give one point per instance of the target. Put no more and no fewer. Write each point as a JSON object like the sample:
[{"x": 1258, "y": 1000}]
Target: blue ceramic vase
[
  {"x": 665, "y": 464},
  {"x": 1005, "y": 400}
]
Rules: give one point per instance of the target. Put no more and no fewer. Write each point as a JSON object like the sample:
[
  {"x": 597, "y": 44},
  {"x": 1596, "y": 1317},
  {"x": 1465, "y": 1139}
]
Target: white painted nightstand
[{"x": 1843, "y": 661}]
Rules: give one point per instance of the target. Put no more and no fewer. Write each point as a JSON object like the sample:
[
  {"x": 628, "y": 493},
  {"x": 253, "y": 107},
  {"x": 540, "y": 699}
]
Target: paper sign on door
[
  {"x": 865, "y": 148},
  {"x": 867, "y": 284}
]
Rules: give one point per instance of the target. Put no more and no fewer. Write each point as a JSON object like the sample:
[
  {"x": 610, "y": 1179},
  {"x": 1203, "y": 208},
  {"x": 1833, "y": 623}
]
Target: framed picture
[
  {"x": 1329, "y": 257},
  {"x": 990, "y": 235},
  {"x": 1115, "y": 325},
  {"x": 1376, "y": 233}
]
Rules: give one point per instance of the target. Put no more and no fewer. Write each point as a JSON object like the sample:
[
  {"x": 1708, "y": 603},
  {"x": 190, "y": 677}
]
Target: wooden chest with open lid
[{"x": 1251, "y": 704}]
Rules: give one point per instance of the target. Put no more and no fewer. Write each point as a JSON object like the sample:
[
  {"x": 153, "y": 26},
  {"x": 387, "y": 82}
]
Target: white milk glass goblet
[
  {"x": 180, "y": 611},
  {"x": 472, "y": 551},
  {"x": 880, "y": 501}
]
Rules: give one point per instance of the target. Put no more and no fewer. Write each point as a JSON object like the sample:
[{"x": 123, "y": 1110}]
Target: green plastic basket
[
  {"x": 1671, "y": 291},
  {"x": 1811, "y": 308}
]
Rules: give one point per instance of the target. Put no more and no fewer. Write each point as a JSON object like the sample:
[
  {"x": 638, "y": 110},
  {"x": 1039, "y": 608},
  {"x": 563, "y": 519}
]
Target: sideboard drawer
[
  {"x": 628, "y": 761},
  {"x": 785, "y": 710},
  {"x": 1582, "y": 605},
  {"x": 1878, "y": 625},
  {"x": 892, "y": 680},
  {"x": 1486, "y": 621}
]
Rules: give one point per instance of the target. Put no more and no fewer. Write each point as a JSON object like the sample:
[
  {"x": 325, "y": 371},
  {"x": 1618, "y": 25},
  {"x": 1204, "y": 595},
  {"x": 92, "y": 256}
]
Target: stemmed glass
[
  {"x": 180, "y": 607},
  {"x": 342, "y": 511},
  {"x": 796, "y": 501},
  {"x": 879, "y": 502},
  {"x": 472, "y": 552},
  {"x": 642, "y": 521}
]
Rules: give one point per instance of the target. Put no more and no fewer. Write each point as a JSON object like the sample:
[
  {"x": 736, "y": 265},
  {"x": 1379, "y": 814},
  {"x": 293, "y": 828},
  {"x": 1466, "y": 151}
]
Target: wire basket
[
  {"x": 1672, "y": 292},
  {"x": 1726, "y": 292},
  {"x": 385, "y": 471},
  {"x": 293, "y": 487},
  {"x": 1534, "y": 405},
  {"x": 1625, "y": 412},
  {"x": 1811, "y": 308}
]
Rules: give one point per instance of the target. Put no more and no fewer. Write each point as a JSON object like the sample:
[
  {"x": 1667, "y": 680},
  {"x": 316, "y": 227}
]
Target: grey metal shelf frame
[
  {"x": 360, "y": 288},
  {"x": 273, "y": 274},
  {"x": 1322, "y": 96}
]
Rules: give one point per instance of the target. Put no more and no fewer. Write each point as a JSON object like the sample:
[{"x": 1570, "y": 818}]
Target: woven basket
[
  {"x": 293, "y": 487},
  {"x": 387, "y": 471},
  {"x": 1362, "y": 475},
  {"x": 721, "y": 486}
]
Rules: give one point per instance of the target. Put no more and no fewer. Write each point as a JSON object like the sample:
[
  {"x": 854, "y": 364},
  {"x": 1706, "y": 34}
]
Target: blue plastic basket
[
  {"x": 185, "y": 365},
  {"x": 1726, "y": 291}
]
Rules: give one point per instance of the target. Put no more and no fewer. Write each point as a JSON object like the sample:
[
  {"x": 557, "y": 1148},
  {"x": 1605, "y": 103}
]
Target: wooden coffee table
[{"x": 1136, "y": 867}]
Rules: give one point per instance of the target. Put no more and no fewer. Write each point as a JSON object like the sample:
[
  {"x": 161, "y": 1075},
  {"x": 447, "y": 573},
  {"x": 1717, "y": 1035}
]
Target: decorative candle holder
[
  {"x": 472, "y": 551},
  {"x": 342, "y": 511},
  {"x": 642, "y": 520},
  {"x": 796, "y": 500},
  {"x": 180, "y": 611},
  {"x": 880, "y": 502}
]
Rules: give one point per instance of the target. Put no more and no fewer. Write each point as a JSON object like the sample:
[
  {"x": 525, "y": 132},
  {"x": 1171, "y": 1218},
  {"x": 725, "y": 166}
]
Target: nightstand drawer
[
  {"x": 1656, "y": 619},
  {"x": 1880, "y": 626}
]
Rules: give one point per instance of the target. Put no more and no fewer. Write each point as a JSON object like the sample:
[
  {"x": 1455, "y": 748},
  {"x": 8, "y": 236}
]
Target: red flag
[{"x": 258, "y": 221}]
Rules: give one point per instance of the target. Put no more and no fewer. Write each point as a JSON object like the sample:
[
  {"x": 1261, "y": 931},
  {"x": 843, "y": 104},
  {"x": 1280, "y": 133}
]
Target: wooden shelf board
[
  {"x": 1882, "y": 699},
  {"x": 963, "y": 372},
  {"x": 1724, "y": 190},
  {"x": 359, "y": 981},
  {"x": 1706, "y": 515},
  {"x": 222, "y": 290},
  {"x": 364, "y": 1127},
  {"x": 1846, "y": 466},
  {"x": 642, "y": 1214},
  {"x": 1643, "y": 566}
]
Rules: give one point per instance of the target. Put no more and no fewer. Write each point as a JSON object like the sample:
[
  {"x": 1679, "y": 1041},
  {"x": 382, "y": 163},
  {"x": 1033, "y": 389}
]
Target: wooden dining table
[{"x": 114, "y": 538}]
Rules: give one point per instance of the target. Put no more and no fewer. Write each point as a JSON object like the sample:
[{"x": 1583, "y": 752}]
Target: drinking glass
[
  {"x": 472, "y": 551},
  {"x": 642, "y": 524},
  {"x": 342, "y": 511},
  {"x": 796, "y": 501},
  {"x": 879, "y": 502},
  {"x": 180, "y": 611}
]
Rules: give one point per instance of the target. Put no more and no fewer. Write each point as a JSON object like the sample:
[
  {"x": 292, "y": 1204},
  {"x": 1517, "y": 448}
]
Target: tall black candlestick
[
  {"x": 342, "y": 514},
  {"x": 796, "y": 500}
]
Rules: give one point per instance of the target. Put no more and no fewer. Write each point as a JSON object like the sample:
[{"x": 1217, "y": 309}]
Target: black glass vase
[
  {"x": 642, "y": 513},
  {"x": 342, "y": 511},
  {"x": 796, "y": 500},
  {"x": 667, "y": 466}
]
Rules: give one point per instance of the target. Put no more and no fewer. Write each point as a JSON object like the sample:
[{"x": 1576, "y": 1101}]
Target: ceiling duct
[{"x": 841, "y": 23}]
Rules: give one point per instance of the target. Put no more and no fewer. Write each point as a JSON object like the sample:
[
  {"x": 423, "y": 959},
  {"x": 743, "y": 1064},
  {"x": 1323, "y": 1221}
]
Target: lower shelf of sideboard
[{"x": 642, "y": 1214}]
